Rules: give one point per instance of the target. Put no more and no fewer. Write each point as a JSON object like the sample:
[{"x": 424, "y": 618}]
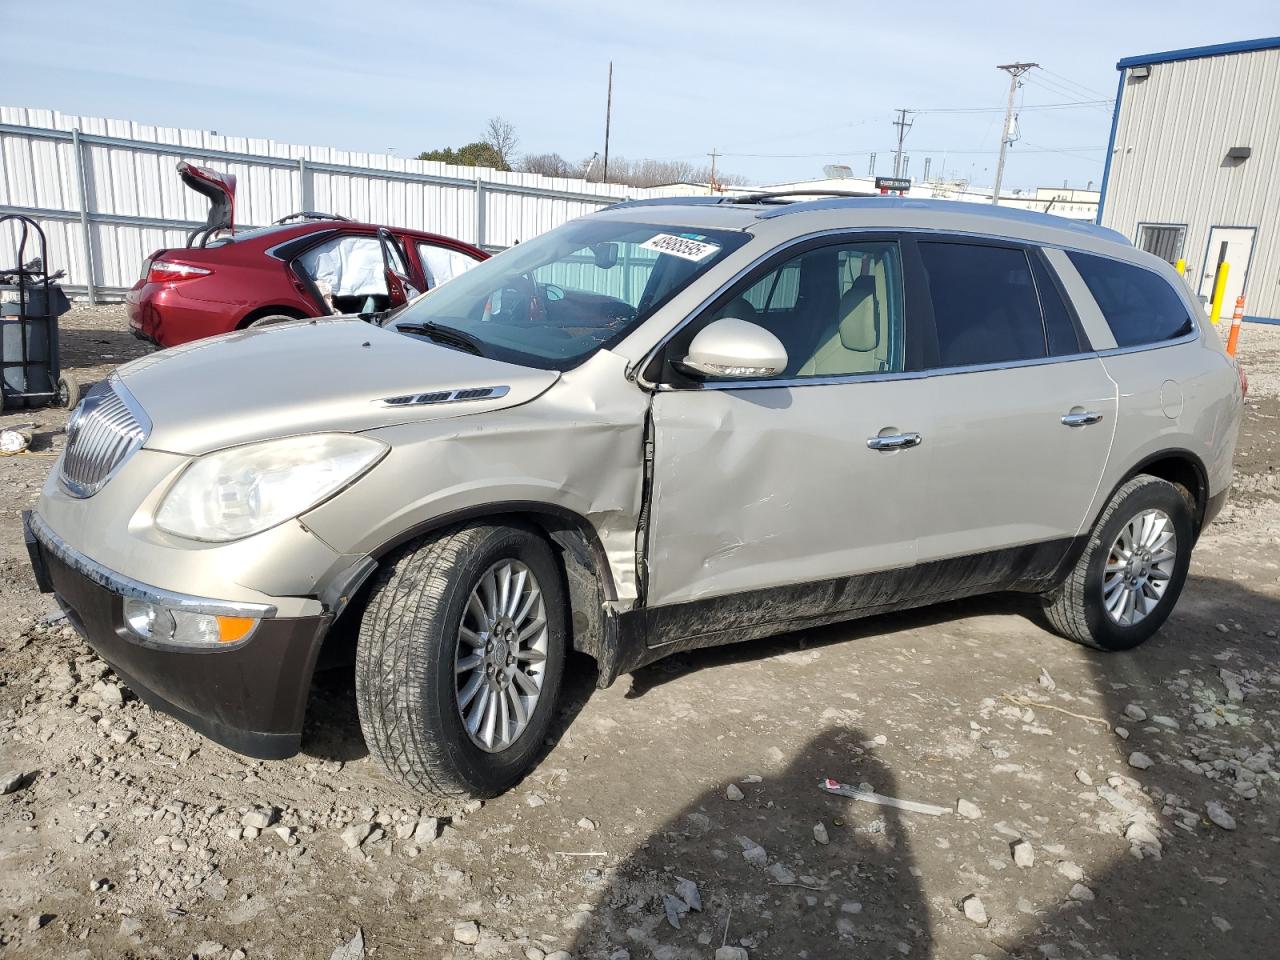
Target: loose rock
[
  {"x": 1024, "y": 855},
  {"x": 733, "y": 792},
  {"x": 1140, "y": 760},
  {"x": 1218, "y": 814},
  {"x": 1070, "y": 870},
  {"x": 968, "y": 809},
  {"x": 11, "y": 782},
  {"x": 974, "y": 909},
  {"x": 466, "y": 931},
  {"x": 258, "y": 819}
]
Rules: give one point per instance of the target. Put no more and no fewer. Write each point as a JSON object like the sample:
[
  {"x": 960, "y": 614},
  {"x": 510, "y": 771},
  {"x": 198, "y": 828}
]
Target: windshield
[{"x": 554, "y": 301}]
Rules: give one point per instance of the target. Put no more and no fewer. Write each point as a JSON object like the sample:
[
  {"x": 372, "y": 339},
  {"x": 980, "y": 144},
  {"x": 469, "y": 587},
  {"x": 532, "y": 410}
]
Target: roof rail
[
  {"x": 951, "y": 206},
  {"x": 780, "y": 196},
  {"x": 761, "y": 196}
]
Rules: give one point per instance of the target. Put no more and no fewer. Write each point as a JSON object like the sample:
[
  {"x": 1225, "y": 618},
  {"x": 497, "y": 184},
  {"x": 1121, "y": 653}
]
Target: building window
[{"x": 1162, "y": 239}]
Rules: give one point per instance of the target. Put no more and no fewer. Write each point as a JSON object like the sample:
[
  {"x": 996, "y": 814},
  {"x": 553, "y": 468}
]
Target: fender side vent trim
[{"x": 446, "y": 396}]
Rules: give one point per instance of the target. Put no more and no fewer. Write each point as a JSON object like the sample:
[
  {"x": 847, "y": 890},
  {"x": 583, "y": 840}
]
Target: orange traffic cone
[{"x": 1233, "y": 338}]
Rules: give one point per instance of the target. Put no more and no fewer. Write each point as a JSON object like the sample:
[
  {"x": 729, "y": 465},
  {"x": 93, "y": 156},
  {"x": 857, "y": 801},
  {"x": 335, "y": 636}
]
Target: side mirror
[{"x": 734, "y": 348}]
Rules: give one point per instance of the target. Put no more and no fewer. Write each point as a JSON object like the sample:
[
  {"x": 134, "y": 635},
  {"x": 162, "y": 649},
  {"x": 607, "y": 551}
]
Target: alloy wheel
[
  {"x": 499, "y": 663},
  {"x": 1139, "y": 567}
]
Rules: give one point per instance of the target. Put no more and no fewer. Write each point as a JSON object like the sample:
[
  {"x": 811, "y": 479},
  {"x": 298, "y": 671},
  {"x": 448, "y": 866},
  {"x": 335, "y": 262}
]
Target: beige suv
[{"x": 662, "y": 426}]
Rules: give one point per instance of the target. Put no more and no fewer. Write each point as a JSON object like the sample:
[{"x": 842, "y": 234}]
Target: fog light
[{"x": 159, "y": 624}]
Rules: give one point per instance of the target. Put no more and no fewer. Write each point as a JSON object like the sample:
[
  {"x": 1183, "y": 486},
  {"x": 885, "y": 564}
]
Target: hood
[
  {"x": 220, "y": 188},
  {"x": 337, "y": 373}
]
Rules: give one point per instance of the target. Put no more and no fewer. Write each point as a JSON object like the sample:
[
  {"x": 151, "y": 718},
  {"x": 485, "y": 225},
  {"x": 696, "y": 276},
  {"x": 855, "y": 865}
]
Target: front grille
[{"x": 102, "y": 434}]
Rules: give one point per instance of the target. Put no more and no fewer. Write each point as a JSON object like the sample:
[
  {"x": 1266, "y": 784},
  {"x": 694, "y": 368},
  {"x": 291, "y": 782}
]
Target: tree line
[{"x": 498, "y": 148}]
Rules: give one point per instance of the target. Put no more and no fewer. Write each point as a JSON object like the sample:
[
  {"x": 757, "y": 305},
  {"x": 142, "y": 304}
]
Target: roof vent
[{"x": 1239, "y": 154}]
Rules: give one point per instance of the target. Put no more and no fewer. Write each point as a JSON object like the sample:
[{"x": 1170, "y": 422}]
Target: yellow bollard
[
  {"x": 1181, "y": 267},
  {"x": 1219, "y": 290}
]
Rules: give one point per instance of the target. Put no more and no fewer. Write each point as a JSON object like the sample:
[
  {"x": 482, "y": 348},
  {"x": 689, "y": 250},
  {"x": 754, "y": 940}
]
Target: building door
[{"x": 1234, "y": 246}]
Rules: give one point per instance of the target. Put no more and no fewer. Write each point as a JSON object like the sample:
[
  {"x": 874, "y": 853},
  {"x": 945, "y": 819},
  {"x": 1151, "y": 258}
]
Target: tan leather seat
[{"x": 851, "y": 347}]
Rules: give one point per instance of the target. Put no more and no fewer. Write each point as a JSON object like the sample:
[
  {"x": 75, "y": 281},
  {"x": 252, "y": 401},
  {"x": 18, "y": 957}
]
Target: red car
[{"x": 305, "y": 265}]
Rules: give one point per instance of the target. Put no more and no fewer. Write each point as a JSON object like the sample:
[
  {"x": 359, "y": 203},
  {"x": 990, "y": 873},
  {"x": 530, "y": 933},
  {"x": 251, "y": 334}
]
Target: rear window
[{"x": 1140, "y": 306}]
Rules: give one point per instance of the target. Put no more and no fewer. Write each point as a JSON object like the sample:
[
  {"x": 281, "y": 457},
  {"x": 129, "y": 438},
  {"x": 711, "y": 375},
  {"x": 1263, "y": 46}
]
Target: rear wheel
[
  {"x": 1132, "y": 570},
  {"x": 459, "y": 660}
]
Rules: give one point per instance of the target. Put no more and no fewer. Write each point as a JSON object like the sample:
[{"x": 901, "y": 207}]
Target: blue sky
[{"x": 780, "y": 88}]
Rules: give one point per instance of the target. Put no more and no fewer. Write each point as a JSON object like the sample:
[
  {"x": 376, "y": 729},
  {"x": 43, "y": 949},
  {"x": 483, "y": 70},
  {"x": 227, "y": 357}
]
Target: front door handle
[
  {"x": 894, "y": 441},
  {"x": 1082, "y": 419}
]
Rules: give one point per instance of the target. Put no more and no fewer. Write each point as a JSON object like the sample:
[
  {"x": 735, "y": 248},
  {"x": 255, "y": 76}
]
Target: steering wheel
[{"x": 524, "y": 288}]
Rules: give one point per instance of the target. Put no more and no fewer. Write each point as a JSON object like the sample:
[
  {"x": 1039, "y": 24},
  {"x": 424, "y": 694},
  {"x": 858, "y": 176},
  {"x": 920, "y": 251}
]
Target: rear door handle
[
  {"x": 1082, "y": 419},
  {"x": 894, "y": 441}
]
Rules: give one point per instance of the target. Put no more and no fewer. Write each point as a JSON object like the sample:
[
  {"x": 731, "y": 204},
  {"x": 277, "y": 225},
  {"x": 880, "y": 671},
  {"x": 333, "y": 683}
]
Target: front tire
[
  {"x": 459, "y": 660},
  {"x": 1132, "y": 570}
]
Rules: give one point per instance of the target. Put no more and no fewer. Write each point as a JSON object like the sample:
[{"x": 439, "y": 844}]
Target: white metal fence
[{"x": 106, "y": 192}]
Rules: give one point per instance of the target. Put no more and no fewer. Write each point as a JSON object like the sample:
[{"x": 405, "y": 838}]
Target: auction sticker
[{"x": 685, "y": 248}]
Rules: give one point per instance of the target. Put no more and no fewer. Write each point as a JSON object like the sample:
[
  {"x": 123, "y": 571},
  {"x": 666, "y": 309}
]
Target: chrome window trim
[
  {"x": 116, "y": 386},
  {"x": 635, "y": 372},
  {"x": 124, "y": 586},
  {"x": 921, "y": 374}
]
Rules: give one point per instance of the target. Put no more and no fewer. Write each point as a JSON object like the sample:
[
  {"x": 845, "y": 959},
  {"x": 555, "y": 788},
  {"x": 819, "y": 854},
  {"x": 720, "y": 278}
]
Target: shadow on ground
[{"x": 1210, "y": 893}]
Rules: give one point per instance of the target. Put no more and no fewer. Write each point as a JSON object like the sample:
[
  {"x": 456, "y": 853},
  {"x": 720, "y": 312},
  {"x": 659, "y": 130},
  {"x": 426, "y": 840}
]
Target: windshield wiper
[{"x": 449, "y": 336}]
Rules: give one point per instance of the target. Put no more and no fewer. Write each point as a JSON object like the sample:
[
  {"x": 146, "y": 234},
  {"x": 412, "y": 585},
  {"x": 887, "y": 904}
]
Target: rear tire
[
  {"x": 1124, "y": 587},
  {"x": 416, "y": 660}
]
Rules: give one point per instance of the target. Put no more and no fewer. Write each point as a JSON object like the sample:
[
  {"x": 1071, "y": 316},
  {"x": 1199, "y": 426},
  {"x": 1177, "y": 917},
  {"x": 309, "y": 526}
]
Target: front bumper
[{"x": 250, "y": 696}]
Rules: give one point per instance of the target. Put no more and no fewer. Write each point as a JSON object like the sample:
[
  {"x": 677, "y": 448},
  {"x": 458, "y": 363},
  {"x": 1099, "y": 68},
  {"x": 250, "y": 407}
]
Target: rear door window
[
  {"x": 1140, "y": 306},
  {"x": 985, "y": 306}
]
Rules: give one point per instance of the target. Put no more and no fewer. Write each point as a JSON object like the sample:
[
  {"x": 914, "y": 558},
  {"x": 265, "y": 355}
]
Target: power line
[
  {"x": 1077, "y": 154},
  {"x": 1064, "y": 105},
  {"x": 1088, "y": 91},
  {"x": 1057, "y": 89}
]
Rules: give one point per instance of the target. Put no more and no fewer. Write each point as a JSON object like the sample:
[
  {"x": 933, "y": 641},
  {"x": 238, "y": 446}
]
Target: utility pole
[
  {"x": 608, "y": 115},
  {"x": 903, "y": 126},
  {"x": 1015, "y": 70},
  {"x": 712, "y": 186}
]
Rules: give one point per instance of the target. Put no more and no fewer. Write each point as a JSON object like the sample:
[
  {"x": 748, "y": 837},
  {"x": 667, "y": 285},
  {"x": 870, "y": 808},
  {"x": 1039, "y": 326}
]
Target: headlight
[
  {"x": 151, "y": 621},
  {"x": 245, "y": 490}
]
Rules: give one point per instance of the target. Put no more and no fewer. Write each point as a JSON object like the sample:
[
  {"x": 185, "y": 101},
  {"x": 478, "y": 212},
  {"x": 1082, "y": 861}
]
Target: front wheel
[
  {"x": 1129, "y": 576},
  {"x": 459, "y": 660}
]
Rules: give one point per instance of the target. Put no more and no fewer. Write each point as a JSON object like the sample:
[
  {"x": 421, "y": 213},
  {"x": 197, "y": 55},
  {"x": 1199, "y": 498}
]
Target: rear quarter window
[{"x": 1140, "y": 306}]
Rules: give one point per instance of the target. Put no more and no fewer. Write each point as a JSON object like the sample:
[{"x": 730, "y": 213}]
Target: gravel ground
[{"x": 1120, "y": 806}]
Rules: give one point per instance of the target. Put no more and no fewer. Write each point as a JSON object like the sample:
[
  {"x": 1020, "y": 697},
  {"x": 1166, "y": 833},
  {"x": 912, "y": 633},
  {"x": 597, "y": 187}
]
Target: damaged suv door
[{"x": 779, "y": 488}]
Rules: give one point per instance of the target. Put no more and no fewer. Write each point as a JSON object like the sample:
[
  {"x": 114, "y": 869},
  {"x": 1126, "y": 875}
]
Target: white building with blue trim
[{"x": 1193, "y": 166}]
